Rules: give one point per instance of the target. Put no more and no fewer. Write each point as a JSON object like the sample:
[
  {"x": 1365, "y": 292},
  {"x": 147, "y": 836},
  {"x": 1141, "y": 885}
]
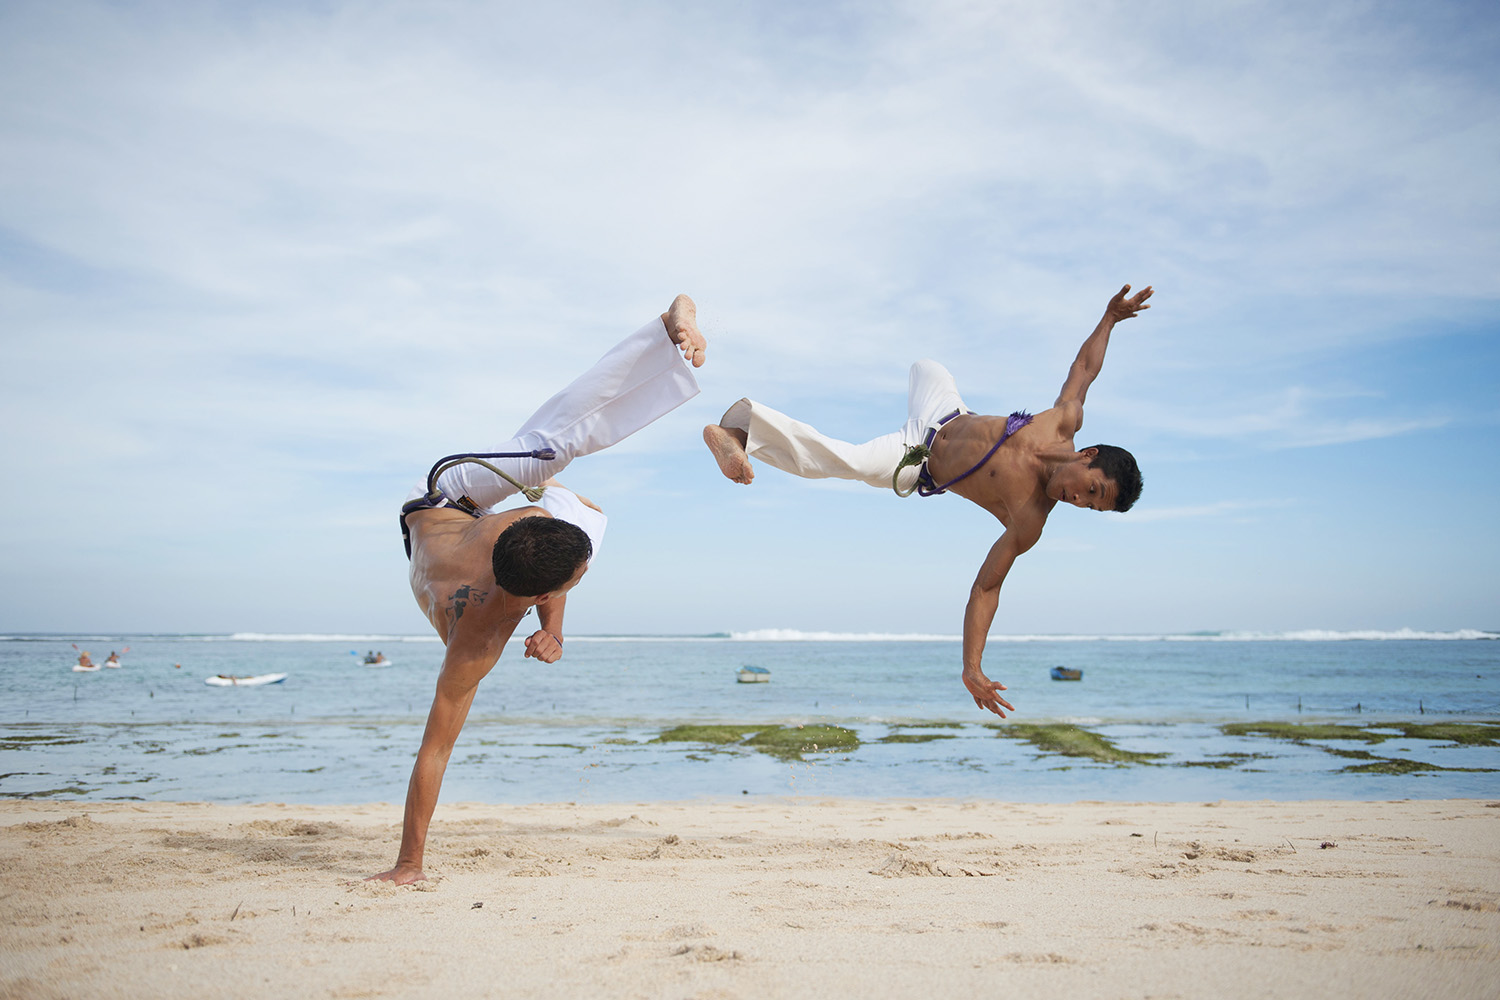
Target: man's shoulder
[
  {"x": 1058, "y": 412},
  {"x": 1053, "y": 425},
  {"x": 448, "y": 545},
  {"x": 447, "y": 526}
]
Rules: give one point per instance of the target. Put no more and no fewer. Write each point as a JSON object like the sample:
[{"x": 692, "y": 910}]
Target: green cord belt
[
  {"x": 915, "y": 455},
  {"x": 532, "y": 493}
]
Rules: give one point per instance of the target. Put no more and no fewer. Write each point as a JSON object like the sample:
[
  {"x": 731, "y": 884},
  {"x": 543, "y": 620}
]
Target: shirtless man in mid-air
[
  {"x": 476, "y": 572},
  {"x": 942, "y": 447}
]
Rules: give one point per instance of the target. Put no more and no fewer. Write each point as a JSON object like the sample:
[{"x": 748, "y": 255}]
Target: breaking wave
[{"x": 1299, "y": 635}]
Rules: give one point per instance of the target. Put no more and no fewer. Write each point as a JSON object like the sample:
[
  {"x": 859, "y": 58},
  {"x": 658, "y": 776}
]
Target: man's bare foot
[
  {"x": 728, "y": 447},
  {"x": 681, "y": 321},
  {"x": 401, "y": 875}
]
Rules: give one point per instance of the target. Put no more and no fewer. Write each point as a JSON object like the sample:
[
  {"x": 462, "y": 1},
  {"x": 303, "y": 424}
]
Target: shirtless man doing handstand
[
  {"x": 476, "y": 572},
  {"x": 1017, "y": 467}
]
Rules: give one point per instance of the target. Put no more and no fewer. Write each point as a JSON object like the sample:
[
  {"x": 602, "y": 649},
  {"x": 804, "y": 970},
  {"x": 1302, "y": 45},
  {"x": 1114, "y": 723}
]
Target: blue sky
[{"x": 260, "y": 264}]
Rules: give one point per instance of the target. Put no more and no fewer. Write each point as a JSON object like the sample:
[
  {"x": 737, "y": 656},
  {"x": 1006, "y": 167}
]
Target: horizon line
[{"x": 801, "y": 635}]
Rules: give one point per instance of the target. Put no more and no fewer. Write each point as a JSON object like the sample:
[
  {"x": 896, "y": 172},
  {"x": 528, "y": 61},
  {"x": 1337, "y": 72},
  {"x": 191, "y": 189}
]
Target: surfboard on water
[{"x": 225, "y": 680}]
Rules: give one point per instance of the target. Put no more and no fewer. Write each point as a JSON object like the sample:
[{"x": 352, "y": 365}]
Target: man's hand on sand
[
  {"x": 681, "y": 321},
  {"x": 986, "y": 692},
  {"x": 1121, "y": 308},
  {"x": 401, "y": 875},
  {"x": 544, "y": 646}
]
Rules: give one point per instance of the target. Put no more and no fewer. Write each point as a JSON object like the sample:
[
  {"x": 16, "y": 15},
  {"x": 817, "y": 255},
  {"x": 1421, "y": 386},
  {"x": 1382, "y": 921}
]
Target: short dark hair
[
  {"x": 536, "y": 555},
  {"x": 1119, "y": 465}
]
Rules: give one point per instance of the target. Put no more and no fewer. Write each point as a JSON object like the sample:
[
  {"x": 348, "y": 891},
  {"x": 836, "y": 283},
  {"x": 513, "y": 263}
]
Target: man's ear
[{"x": 1090, "y": 453}]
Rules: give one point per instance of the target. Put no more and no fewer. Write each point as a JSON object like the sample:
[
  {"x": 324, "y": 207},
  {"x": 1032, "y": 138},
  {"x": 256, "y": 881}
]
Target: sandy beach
[{"x": 769, "y": 898}]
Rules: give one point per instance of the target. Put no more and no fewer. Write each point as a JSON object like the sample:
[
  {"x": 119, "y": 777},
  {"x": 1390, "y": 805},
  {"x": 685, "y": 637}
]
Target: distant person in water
[
  {"x": 476, "y": 572},
  {"x": 84, "y": 660},
  {"x": 113, "y": 659},
  {"x": 1017, "y": 467}
]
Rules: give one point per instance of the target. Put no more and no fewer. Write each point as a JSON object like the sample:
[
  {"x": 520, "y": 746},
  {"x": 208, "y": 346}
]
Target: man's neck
[{"x": 1053, "y": 459}]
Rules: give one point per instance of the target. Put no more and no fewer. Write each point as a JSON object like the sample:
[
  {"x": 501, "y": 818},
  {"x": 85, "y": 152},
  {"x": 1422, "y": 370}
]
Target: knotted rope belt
[{"x": 532, "y": 493}]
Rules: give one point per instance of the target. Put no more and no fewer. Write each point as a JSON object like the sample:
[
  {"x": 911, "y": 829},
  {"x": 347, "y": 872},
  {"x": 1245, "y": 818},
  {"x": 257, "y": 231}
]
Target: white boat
[
  {"x": 754, "y": 675},
  {"x": 79, "y": 668},
  {"x": 226, "y": 680},
  {"x": 377, "y": 663}
]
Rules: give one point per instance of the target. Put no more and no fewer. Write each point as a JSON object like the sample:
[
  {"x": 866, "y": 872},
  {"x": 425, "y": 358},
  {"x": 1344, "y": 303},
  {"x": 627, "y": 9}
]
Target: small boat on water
[
  {"x": 230, "y": 680},
  {"x": 754, "y": 675},
  {"x": 79, "y": 668},
  {"x": 1066, "y": 674}
]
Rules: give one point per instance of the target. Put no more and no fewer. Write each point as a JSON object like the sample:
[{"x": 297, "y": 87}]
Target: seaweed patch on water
[
  {"x": 915, "y": 737},
  {"x": 1452, "y": 734},
  {"x": 29, "y": 742},
  {"x": 204, "y": 751},
  {"x": 48, "y": 793},
  {"x": 719, "y": 735},
  {"x": 782, "y": 742},
  {"x": 1473, "y": 734},
  {"x": 1224, "y": 761},
  {"x": 1071, "y": 741},
  {"x": 1301, "y": 732},
  {"x": 1391, "y": 765},
  {"x": 1469, "y": 734},
  {"x": 792, "y": 742}
]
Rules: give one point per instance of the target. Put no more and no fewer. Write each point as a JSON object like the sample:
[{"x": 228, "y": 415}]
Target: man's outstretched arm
[
  {"x": 450, "y": 707},
  {"x": 979, "y": 614},
  {"x": 1090, "y": 358}
]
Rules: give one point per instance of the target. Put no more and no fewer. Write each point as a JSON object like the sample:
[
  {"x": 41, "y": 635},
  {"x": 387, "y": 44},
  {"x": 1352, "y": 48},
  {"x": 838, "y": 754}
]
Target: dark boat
[{"x": 1066, "y": 674}]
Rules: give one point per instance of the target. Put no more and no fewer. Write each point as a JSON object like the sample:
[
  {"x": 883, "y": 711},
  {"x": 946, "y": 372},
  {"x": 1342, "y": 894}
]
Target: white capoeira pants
[
  {"x": 792, "y": 446},
  {"x": 642, "y": 378}
]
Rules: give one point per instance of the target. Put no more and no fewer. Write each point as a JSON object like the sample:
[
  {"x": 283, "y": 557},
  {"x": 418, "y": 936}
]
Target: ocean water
[{"x": 586, "y": 728}]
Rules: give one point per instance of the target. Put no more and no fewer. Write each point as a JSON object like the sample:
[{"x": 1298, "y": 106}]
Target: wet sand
[{"x": 765, "y": 898}]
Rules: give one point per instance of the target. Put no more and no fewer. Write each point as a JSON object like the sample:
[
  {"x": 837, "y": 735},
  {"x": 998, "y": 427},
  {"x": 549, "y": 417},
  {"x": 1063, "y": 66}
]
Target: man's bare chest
[{"x": 979, "y": 471}]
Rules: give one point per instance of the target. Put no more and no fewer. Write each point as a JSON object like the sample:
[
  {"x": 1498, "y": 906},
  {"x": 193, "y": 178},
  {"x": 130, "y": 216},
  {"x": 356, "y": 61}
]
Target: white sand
[{"x": 795, "y": 898}]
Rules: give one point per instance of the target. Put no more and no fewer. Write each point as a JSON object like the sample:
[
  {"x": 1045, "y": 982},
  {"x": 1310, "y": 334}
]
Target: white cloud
[
  {"x": 1146, "y": 514},
  {"x": 1290, "y": 417}
]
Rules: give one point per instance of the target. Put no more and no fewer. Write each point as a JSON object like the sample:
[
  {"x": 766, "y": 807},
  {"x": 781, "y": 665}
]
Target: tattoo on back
[{"x": 462, "y": 598}]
